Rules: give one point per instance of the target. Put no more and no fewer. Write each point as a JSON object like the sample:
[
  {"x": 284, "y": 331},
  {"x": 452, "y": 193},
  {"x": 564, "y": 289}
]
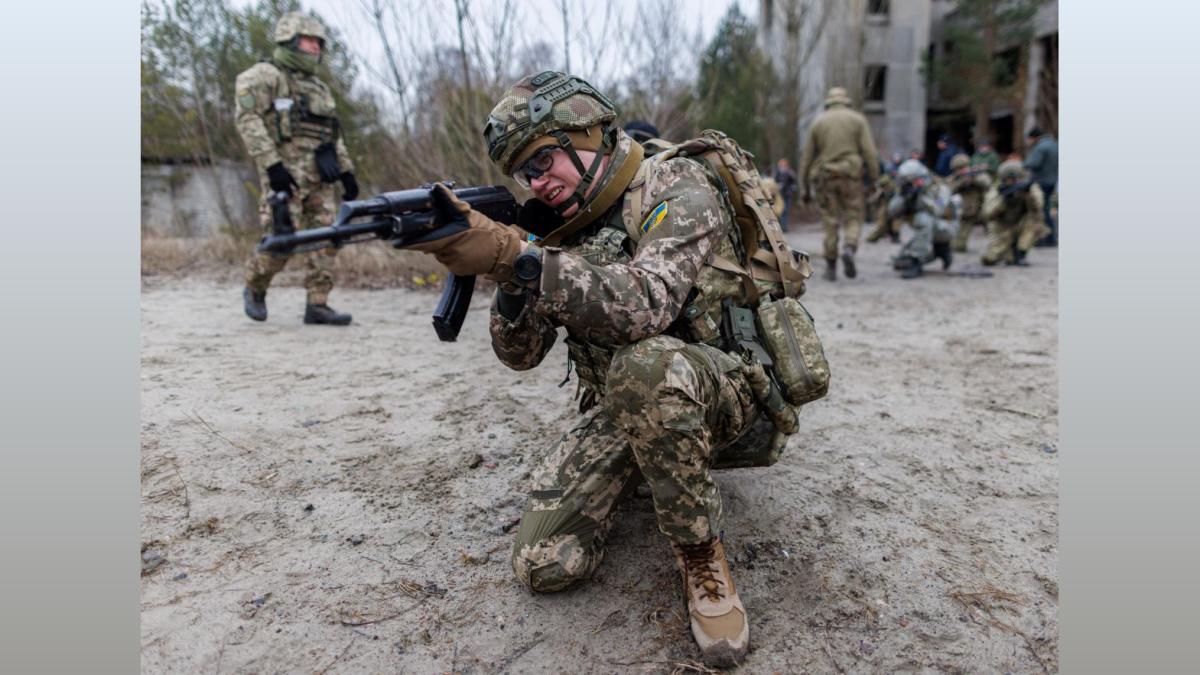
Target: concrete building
[
  {"x": 873, "y": 48},
  {"x": 880, "y": 50},
  {"x": 1032, "y": 98}
]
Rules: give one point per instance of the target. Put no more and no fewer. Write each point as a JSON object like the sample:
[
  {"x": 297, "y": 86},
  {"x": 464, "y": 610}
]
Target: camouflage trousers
[
  {"x": 885, "y": 226},
  {"x": 316, "y": 207},
  {"x": 668, "y": 405},
  {"x": 841, "y": 202},
  {"x": 927, "y": 231},
  {"x": 1005, "y": 240},
  {"x": 971, "y": 216}
]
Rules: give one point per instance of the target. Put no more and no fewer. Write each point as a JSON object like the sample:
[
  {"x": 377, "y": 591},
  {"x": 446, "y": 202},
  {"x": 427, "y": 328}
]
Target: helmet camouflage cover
[
  {"x": 960, "y": 161},
  {"x": 538, "y": 105},
  {"x": 1011, "y": 169},
  {"x": 294, "y": 24},
  {"x": 911, "y": 170}
]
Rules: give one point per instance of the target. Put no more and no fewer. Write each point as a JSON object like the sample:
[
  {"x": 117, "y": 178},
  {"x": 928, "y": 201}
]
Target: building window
[
  {"x": 874, "y": 84},
  {"x": 1006, "y": 67},
  {"x": 878, "y": 7}
]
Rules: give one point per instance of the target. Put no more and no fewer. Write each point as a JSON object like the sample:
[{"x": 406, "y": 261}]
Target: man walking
[
  {"x": 1043, "y": 167},
  {"x": 287, "y": 119},
  {"x": 838, "y": 149}
]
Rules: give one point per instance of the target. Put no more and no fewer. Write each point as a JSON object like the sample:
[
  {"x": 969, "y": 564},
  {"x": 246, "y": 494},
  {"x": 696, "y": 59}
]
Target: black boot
[
  {"x": 913, "y": 270},
  {"x": 831, "y": 269},
  {"x": 848, "y": 262},
  {"x": 943, "y": 251},
  {"x": 324, "y": 314},
  {"x": 1018, "y": 258},
  {"x": 255, "y": 304}
]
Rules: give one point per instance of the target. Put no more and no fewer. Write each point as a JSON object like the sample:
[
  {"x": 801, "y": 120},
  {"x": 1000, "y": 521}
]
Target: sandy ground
[{"x": 342, "y": 500}]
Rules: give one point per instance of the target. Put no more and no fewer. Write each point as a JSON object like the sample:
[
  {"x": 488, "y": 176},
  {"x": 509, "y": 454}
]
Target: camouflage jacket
[
  {"x": 283, "y": 115},
  {"x": 607, "y": 291},
  {"x": 1012, "y": 212},
  {"x": 965, "y": 183},
  {"x": 839, "y": 141}
]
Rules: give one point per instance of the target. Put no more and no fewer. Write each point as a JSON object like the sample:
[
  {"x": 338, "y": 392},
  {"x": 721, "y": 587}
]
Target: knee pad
[{"x": 555, "y": 549}]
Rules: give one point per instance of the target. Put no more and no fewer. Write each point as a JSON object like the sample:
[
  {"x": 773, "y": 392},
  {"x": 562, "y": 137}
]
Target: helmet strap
[{"x": 587, "y": 175}]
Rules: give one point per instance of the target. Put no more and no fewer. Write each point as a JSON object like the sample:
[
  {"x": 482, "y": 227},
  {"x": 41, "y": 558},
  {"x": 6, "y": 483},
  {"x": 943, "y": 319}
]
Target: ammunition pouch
[
  {"x": 281, "y": 217},
  {"x": 779, "y": 335}
]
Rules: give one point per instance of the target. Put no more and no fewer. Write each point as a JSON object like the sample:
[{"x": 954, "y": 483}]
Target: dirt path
[{"x": 340, "y": 500}]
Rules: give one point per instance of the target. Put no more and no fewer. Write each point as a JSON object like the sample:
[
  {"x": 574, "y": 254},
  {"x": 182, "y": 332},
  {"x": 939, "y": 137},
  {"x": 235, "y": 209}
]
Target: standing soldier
[
  {"x": 1013, "y": 211},
  {"x": 287, "y": 120},
  {"x": 838, "y": 149},
  {"x": 637, "y": 264},
  {"x": 970, "y": 182},
  {"x": 785, "y": 180},
  {"x": 985, "y": 155}
]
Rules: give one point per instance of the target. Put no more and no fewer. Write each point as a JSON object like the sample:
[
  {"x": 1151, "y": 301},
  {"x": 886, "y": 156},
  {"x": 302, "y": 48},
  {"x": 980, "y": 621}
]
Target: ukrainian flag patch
[{"x": 656, "y": 216}]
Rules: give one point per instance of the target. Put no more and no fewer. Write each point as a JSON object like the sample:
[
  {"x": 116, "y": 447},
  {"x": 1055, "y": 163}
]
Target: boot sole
[
  {"x": 312, "y": 322},
  {"x": 723, "y": 654}
]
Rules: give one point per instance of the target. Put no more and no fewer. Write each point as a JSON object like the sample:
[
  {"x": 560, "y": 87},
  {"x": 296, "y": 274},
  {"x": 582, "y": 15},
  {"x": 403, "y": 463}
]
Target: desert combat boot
[{"x": 717, "y": 615}]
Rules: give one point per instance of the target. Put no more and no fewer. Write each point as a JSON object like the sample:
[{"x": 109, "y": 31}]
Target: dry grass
[{"x": 369, "y": 265}]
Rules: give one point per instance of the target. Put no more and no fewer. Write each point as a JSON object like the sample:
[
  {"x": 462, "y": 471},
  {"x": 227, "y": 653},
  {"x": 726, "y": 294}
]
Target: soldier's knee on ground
[{"x": 555, "y": 550}]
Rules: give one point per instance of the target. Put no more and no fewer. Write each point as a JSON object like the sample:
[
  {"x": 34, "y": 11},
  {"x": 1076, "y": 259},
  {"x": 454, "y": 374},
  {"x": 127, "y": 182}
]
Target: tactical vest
[
  {"x": 304, "y": 109},
  {"x": 722, "y": 278}
]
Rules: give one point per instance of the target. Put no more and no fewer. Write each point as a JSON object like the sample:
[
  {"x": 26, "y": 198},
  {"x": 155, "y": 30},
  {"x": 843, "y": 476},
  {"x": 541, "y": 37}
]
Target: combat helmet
[
  {"x": 294, "y": 24},
  {"x": 555, "y": 109},
  {"x": 959, "y": 161},
  {"x": 1010, "y": 169},
  {"x": 837, "y": 95},
  {"x": 911, "y": 171}
]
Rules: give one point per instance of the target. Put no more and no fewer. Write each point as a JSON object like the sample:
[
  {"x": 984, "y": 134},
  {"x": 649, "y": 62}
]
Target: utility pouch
[
  {"x": 739, "y": 331},
  {"x": 327, "y": 164},
  {"x": 283, "y": 118},
  {"x": 281, "y": 217},
  {"x": 786, "y": 330}
]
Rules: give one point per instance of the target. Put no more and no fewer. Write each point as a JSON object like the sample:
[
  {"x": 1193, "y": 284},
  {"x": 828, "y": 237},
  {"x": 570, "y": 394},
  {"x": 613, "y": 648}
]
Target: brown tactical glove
[{"x": 485, "y": 247}]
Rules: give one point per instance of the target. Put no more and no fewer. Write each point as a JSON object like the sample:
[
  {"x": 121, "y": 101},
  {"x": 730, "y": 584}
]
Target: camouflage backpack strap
[{"x": 754, "y": 215}]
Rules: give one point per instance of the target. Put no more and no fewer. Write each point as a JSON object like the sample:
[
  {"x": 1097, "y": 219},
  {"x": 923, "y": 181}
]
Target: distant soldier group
[{"x": 1008, "y": 199}]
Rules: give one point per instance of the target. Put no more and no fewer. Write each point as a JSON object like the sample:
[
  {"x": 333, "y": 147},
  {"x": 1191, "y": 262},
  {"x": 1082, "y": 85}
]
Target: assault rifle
[
  {"x": 404, "y": 218},
  {"x": 1010, "y": 191}
]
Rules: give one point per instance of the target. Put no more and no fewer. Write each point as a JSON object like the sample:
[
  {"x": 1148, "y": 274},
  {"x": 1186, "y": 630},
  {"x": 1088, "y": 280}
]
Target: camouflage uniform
[
  {"x": 273, "y": 135},
  {"x": 839, "y": 145},
  {"x": 970, "y": 186},
  {"x": 657, "y": 402},
  {"x": 933, "y": 217},
  {"x": 885, "y": 225},
  {"x": 1013, "y": 225}
]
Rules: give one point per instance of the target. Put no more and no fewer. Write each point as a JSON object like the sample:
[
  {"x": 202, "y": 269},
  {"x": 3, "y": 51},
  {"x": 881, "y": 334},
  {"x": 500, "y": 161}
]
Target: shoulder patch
[
  {"x": 656, "y": 216},
  {"x": 246, "y": 100}
]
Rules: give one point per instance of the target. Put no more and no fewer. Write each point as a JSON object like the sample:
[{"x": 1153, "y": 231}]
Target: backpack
[{"x": 776, "y": 329}]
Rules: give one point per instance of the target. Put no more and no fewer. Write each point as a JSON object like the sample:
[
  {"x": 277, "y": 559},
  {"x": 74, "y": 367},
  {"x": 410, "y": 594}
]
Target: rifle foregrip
[{"x": 452, "y": 307}]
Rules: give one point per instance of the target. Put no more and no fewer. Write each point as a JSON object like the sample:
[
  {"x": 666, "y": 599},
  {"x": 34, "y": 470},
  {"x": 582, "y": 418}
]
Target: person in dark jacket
[
  {"x": 946, "y": 151},
  {"x": 1043, "y": 167}
]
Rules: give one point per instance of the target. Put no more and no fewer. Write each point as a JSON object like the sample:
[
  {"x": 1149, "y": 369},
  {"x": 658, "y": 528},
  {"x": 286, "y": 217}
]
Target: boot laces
[{"x": 702, "y": 569}]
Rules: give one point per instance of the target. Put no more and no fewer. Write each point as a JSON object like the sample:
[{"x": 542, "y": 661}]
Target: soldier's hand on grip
[
  {"x": 280, "y": 178},
  {"x": 483, "y": 247}
]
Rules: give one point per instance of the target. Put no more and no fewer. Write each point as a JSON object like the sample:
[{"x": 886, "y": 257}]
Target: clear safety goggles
[{"x": 536, "y": 166}]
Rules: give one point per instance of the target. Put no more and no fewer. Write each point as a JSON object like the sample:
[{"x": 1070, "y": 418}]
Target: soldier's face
[
  {"x": 558, "y": 183},
  {"x": 309, "y": 45}
]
